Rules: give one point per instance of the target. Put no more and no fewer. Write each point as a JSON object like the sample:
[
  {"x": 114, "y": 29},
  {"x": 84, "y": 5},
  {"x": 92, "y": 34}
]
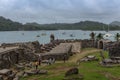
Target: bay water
[{"x": 44, "y": 36}]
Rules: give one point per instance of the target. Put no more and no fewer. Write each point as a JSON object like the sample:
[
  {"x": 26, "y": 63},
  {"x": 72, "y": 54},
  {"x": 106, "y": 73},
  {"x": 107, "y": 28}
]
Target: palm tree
[
  {"x": 92, "y": 35},
  {"x": 52, "y": 37},
  {"x": 99, "y": 36},
  {"x": 117, "y": 36}
]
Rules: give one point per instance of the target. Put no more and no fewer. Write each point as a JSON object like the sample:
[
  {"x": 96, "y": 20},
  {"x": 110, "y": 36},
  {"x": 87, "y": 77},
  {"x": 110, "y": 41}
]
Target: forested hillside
[{"x": 9, "y": 25}]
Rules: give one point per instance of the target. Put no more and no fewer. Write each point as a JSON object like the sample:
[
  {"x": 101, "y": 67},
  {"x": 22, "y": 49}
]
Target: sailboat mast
[
  {"x": 108, "y": 27},
  {"x": 103, "y": 28}
]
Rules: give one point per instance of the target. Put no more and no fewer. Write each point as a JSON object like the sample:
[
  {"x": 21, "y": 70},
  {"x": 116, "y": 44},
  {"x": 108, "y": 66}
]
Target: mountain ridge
[
  {"x": 115, "y": 23},
  {"x": 9, "y": 25}
]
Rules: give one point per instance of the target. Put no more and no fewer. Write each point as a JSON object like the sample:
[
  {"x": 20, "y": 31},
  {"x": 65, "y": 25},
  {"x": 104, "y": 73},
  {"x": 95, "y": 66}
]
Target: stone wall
[
  {"x": 88, "y": 43},
  {"x": 76, "y": 47},
  {"x": 59, "y": 51},
  {"x": 9, "y": 58},
  {"x": 103, "y": 44},
  {"x": 33, "y": 46},
  {"x": 27, "y": 51},
  {"x": 56, "y": 56},
  {"x": 114, "y": 50}
]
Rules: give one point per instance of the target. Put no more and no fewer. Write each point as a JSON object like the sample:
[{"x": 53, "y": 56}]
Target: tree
[
  {"x": 99, "y": 36},
  {"x": 117, "y": 36},
  {"x": 92, "y": 35},
  {"x": 52, "y": 37}
]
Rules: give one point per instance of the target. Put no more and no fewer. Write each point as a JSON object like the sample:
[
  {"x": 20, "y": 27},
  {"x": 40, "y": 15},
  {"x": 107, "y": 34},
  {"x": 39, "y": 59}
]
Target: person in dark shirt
[{"x": 64, "y": 58}]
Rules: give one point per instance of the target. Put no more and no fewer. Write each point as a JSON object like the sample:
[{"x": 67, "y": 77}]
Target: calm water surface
[{"x": 44, "y": 36}]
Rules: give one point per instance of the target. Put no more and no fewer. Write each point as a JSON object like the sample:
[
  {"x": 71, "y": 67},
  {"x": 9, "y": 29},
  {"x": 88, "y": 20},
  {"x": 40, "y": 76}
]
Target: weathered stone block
[
  {"x": 72, "y": 71},
  {"x": 1, "y": 77},
  {"x": 6, "y": 72}
]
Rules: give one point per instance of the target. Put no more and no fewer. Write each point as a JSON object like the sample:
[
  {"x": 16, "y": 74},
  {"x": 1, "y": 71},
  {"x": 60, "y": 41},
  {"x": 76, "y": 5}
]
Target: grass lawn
[{"x": 90, "y": 70}]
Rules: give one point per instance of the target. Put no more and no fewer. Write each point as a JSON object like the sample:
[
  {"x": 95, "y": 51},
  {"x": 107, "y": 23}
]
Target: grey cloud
[{"x": 50, "y": 11}]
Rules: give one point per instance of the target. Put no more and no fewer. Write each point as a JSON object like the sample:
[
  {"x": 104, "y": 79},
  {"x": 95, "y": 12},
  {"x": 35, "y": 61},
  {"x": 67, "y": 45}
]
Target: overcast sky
[{"x": 63, "y": 11}]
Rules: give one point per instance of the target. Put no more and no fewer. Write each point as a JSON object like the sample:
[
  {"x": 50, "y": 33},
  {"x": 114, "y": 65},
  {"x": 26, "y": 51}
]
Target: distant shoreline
[
  {"x": 9, "y": 25},
  {"x": 57, "y": 30}
]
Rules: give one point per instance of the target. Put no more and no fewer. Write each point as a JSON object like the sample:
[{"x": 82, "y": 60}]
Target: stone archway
[{"x": 101, "y": 44}]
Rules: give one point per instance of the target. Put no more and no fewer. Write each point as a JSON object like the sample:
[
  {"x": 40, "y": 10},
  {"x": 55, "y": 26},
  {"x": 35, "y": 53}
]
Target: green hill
[
  {"x": 9, "y": 25},
  {"x": 115, "y": 23}
]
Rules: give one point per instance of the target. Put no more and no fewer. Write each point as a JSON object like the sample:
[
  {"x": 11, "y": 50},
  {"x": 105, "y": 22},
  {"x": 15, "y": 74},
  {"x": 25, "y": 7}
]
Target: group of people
[
  {"x": 50, "y": 61},
  {"x": 38, "y": 62}
]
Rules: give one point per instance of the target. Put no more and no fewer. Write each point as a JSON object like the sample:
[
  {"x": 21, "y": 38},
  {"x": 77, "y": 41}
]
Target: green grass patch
[{"x": 86, "y": 49}]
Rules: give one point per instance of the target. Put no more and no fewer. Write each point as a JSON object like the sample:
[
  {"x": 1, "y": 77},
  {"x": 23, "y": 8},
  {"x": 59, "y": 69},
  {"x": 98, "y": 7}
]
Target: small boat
[
  {"x": 43, "y": 34},
  {"x": 38, "y": 36},
  {"x": 71, "y": 35},
  {"x": 107, "y": 35},
  {"x": 22, "y": 33},
  {"x": 84, "y": 33},
  {"x": 63, "y": 33}
]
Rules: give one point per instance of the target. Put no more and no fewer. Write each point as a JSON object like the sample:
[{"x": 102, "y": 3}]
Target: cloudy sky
[{"x": 63, "y": 11}]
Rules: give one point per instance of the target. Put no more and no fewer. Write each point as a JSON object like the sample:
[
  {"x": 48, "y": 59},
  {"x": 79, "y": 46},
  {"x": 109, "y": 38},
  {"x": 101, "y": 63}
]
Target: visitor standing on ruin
[
  {"x": 51, "y": 60},
  {"x": 36, "y": 65},
  {"x": 64, "y": 58},
  {"x": 39, "y": 59}
]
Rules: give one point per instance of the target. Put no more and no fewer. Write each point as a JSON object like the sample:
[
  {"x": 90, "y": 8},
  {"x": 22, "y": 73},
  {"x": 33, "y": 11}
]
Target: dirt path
[{"x": 80, "y": 55}]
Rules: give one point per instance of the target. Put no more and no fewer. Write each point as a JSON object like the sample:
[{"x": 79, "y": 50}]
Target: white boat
[{"x": 107, "y": 35}]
